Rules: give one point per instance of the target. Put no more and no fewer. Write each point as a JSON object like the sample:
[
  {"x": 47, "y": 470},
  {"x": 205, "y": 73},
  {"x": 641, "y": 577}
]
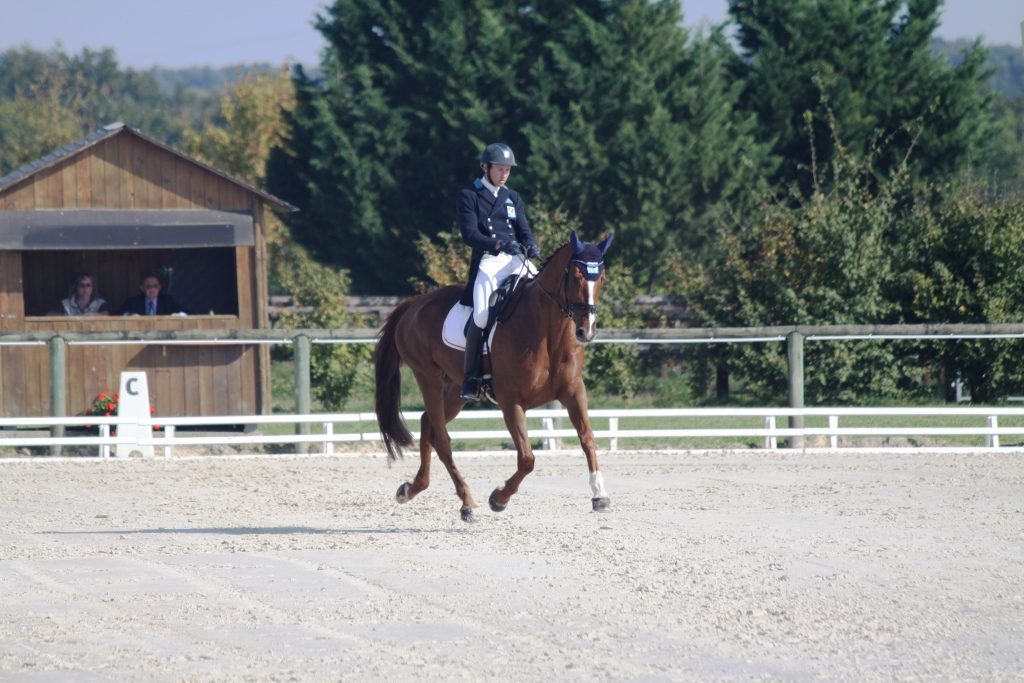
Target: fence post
[
  {"x": 554, "y": 443},
  {"x": 329, "y": 445},
  {"x": 992, "y": 440},
  {"x": 302, "y": 400},
  {"x": 58, "y": 395},
  {"x": 168, "y": 440},
  {"x": 549, "y": 443},
  {"x": 770, "y": 441},
  {"x": 105, "y": 448},
  {"x": 795, "y": 357}
]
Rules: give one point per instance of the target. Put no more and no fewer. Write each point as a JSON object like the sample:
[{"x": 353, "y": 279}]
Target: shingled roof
[{"x": 30, "y": 169}]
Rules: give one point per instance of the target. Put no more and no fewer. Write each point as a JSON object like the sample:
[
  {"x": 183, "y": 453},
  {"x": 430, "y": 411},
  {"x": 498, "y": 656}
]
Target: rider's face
[{"x": 498, "y": 174}]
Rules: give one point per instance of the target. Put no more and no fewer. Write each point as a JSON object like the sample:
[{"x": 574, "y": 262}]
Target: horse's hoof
[
  {"x": 493, "y": 501},
  {"x": 467, "y": 515},
  {"x": 402, "y": 495},
  {"x": 601, "y": 504}
]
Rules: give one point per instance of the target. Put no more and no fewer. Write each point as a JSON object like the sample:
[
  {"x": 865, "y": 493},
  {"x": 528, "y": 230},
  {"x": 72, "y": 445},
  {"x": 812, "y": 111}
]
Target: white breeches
[{"x": 493, "y": 269}]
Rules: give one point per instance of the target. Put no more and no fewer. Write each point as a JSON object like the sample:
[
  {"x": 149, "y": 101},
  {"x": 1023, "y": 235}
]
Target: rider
[{"x": 493, "y": 222}]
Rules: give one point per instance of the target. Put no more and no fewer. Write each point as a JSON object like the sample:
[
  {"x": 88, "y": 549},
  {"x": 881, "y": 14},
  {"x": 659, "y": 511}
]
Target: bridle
[{"x": 592, "y": 271}]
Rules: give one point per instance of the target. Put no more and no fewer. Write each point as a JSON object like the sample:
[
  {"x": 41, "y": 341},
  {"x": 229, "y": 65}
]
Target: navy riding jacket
[{"x": 485, "y": 220}]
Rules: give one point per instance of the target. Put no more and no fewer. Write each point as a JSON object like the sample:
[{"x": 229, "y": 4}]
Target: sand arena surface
[{"x": 730, "y": 566}]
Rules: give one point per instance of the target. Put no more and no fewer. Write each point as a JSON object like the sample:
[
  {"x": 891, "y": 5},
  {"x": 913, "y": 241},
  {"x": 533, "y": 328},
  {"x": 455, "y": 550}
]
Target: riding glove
[
  {"x": 532, "y": 251},
  {"x": 512, "y": 248}
]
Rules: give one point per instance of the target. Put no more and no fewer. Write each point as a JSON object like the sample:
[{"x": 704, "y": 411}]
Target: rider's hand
[
  {"x": 512, "y": 248},
  {"x": 532, "y": 251}
]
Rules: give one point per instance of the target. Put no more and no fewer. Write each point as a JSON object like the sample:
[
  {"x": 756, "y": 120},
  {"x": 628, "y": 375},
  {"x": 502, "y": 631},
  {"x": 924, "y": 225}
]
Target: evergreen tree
[
  {"x": 633, "y": 128},
  {"x": 614, "y": 114},
  {"x": 867, "y": 64},
  {"x": 378, "y": 148}
]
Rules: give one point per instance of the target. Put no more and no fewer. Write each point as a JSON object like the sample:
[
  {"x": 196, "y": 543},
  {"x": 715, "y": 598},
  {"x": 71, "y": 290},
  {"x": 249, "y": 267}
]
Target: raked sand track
[{"x": 712, "y": 566}]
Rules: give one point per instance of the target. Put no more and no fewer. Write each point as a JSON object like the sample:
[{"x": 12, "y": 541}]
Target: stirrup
[
  {"x": 487, "y": 390},
  {"x": 471, "y": 389}
]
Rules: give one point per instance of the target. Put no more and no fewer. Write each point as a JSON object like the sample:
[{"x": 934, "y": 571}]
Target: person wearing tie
[{"x": 151, "y": 301}]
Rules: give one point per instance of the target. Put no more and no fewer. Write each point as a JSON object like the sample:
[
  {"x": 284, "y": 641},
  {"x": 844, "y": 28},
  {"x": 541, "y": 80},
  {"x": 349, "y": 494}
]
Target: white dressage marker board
[{"x": 133, "y": 403}]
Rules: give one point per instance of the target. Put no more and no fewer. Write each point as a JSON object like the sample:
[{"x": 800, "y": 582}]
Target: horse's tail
[{"x": 387, "y": 397}]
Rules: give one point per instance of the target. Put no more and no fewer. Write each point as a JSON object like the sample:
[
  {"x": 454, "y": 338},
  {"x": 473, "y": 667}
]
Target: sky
[{"x": 147, "y": 33}]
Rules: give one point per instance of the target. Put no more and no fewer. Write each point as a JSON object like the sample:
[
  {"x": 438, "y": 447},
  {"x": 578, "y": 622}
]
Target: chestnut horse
[{"x": 536, "y": 357}]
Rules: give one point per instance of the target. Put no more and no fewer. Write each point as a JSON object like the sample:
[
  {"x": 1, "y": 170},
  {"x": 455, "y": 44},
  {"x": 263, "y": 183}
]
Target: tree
[
  {"x": 1004, "y": 162},
  {"x": 825, "y": 259},
  {"x": 48, "y": 99},
  {"x": 961, "y": 264},
  {"x": 249, "y": 122},
  {"x": 868, "y": 65},
  {"x": 633, "y": 127},
  {"x": 615, "y": 115},
  {"x": 238, "y": 138}
]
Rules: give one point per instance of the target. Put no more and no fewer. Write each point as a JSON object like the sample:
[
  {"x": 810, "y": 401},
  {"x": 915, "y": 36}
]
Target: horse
[{"x": 536, "y": 357}]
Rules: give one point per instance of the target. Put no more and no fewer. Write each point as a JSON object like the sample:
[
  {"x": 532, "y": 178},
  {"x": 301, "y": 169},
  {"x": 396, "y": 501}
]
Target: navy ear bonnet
[{"x": 589, "y": 257}]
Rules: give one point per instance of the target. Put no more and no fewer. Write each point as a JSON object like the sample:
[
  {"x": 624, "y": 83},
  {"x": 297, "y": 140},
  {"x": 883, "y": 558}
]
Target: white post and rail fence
[
  {"x": 615, "y": 429},
  {"x": 302, "y": 340}
]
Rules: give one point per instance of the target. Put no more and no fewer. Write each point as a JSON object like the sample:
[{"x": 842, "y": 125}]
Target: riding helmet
[{"x": 498, "y": 153}]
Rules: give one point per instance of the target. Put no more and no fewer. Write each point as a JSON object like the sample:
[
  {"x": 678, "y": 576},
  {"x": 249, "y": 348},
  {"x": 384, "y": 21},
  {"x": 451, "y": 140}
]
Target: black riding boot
[{"x": 471, "y": 381}]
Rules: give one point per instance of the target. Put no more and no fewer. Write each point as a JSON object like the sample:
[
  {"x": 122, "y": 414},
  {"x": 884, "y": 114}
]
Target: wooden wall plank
[
  {"x": 99, "y": 177},
  {"x": 12, "y": 310},
  {"x": 244, "y": 280},
  {"x": 68, "y": 186},
  {"x": 145, "y": 169},
  {"x": 125, "y": 187},
  {"x": 48, "y": 190},
  {"x": 174, "y": 194},
  {"x": 83, "y": 181}
]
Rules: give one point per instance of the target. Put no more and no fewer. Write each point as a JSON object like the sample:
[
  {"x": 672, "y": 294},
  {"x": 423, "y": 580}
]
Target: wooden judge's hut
[{"x": 118, "y": 205}]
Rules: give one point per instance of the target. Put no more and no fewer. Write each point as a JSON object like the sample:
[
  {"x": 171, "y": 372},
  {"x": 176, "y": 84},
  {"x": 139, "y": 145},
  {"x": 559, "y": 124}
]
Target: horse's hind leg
[
  {"x": 410, "y": 489},
  {"x": 453, "y": 405},
  {"x": 442, "y": 405}
]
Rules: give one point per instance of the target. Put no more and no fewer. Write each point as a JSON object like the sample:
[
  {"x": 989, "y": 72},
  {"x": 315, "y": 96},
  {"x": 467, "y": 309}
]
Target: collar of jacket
[{"x": 484, "y": 192}]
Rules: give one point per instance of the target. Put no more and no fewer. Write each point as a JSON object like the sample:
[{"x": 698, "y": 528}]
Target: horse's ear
[
  {"x": 577, "y": 246},
  {"x": 605, "y": 243}
]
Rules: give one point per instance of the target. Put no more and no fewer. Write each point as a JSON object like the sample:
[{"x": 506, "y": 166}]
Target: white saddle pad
[{"x": 452, "y": 332}]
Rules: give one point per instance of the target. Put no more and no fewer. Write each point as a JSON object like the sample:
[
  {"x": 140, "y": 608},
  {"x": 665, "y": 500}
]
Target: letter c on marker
[{"x": 129, "y": 386}]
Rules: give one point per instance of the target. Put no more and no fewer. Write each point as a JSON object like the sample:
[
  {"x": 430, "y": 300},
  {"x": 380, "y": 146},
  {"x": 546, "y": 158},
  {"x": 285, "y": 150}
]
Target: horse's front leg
[
  {"x": 442, "y": 405},
  {"x": 576, "y": 405},
  {"x": 515, "y": 421}
]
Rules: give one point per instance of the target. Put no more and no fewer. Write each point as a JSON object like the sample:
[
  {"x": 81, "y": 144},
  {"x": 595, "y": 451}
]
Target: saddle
[{"x": 460, "y": 317}]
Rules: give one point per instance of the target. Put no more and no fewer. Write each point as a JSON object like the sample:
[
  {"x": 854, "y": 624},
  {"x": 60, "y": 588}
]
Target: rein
[{"x": 568, "y": 308}]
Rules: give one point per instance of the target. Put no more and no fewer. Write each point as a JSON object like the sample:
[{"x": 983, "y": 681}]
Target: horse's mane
[{"x": 548, "y": 259}]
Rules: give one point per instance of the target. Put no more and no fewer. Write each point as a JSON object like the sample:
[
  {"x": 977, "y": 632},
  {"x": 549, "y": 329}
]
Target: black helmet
[{"x": 498, "y": 153}]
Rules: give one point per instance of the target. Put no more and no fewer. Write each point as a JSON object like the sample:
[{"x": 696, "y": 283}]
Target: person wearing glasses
[
  {"x": 151, "y": 301},
  {"x": 84, "y": 297}
]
